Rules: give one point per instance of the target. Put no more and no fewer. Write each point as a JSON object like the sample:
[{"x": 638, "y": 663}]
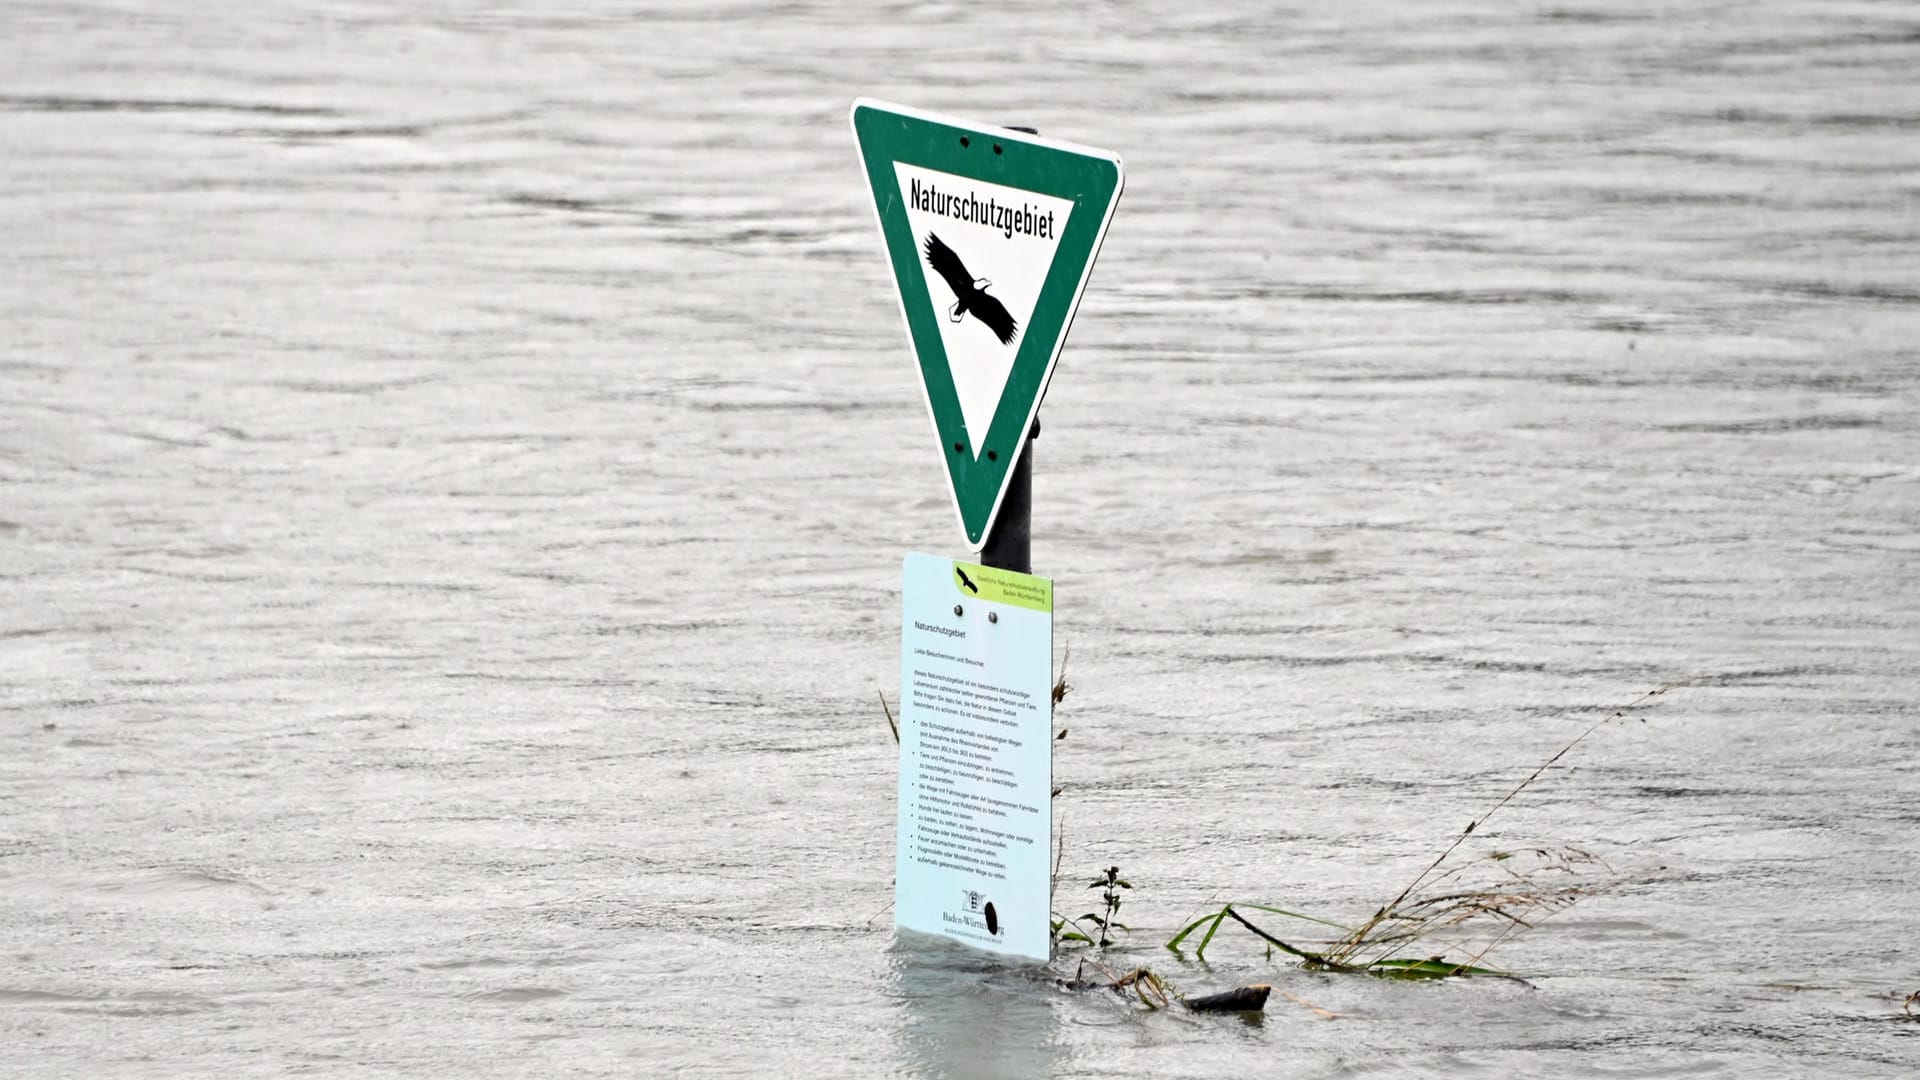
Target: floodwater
[{"x": 455, "y": 461}]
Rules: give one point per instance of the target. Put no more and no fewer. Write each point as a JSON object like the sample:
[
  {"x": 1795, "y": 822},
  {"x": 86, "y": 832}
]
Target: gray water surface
[{"x": 455, "y": 461}]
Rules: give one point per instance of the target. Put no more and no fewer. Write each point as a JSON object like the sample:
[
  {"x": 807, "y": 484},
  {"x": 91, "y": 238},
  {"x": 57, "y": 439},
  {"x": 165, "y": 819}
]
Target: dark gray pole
[{"x": 1009, "y": 544}]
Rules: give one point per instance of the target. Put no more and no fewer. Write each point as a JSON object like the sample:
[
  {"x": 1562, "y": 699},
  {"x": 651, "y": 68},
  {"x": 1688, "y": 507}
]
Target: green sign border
[{"x": 1091, "y": 179}]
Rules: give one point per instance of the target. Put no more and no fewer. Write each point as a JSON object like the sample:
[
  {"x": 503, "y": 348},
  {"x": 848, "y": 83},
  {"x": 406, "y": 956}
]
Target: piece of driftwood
[{"x": 1241, "y": 999}]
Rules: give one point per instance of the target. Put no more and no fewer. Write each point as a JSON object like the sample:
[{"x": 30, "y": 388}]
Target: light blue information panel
[{"x": 976, "y": 755}]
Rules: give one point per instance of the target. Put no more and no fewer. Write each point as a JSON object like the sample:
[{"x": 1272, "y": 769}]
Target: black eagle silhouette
[
  {"x": 967, "y": 581},
  {"x": 970, "y": 293}
]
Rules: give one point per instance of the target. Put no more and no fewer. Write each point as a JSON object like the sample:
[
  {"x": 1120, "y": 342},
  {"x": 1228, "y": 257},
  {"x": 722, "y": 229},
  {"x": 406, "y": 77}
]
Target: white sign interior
[{"x": 985, "y": 252}]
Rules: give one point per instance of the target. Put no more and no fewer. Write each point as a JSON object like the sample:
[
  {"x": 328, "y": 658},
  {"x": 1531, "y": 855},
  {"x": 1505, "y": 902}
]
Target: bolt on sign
[{"x": 991, "y": 234}]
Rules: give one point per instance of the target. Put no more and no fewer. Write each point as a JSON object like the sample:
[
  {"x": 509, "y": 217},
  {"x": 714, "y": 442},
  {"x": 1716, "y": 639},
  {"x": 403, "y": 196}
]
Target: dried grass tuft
[{"x": 1463, "y": 910}]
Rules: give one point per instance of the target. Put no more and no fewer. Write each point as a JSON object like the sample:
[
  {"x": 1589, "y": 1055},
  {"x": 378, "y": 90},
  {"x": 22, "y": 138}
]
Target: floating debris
[{"x": 1240, "y": 999}]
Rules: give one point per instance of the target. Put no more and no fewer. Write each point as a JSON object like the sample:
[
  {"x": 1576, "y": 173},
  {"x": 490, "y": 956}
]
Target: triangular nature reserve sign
[{"x": 991, "y": 233}]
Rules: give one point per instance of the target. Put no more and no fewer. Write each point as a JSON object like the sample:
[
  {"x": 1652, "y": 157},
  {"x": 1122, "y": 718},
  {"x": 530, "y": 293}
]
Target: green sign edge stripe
[{"x": 1079, "y": 174}]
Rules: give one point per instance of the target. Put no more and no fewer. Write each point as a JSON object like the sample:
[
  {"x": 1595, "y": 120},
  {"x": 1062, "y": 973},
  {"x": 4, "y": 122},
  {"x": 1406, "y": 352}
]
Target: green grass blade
[
  {"x": 1201, "y": 952},
  {"x": 1294, "y": 915},
  {"x": 1174, "y": 943},
  {"x": 1429, "y": 969}
]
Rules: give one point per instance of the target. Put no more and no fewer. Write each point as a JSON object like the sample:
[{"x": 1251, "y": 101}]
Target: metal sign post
[{"x": 1010, "y": 543}]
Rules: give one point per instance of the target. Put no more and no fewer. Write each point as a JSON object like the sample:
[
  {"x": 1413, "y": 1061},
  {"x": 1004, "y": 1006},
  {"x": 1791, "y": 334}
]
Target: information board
[{"x": 976, "y": 756}]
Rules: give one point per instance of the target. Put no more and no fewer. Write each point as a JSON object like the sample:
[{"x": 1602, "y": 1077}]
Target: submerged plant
[
  {"x": 1473, "y": 918},
  {"x": 1476, "y": 917},
  {"x": 1150, "y": 988},
  {"x": 1156, "y": 993}
]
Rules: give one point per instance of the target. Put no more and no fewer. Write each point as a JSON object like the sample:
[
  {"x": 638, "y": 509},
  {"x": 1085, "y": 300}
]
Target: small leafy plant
[
  {"x": 1106, "y": 920},
  {"x": 1111, "y": 883}
]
